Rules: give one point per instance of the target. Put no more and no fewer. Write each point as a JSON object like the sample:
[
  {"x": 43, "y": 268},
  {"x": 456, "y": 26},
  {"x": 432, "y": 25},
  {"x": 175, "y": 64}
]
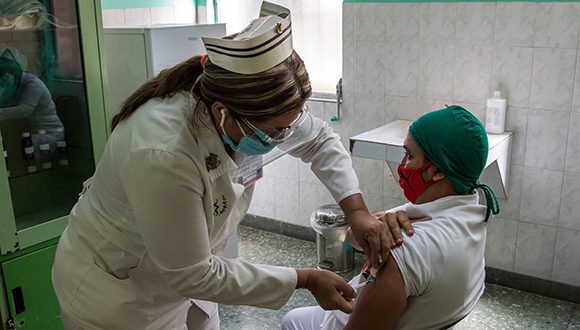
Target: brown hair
[{"x": 282, "y": 88}]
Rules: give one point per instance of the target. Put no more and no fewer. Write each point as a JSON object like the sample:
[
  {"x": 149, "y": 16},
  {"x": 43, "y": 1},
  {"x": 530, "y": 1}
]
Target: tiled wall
[
  {"x": 401, "y": 60},
  {"x": 183, "y": 13}
]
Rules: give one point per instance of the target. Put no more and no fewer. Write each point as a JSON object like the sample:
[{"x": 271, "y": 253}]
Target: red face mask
[{"x": 411, "y": 180}]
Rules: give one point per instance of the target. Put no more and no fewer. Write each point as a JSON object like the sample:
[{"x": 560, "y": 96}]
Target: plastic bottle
[
  {"x": 495, "y": 114},
  {"x": 6, "y": 159},
  {"x": 28, "y": 153},
  {"x": 44, "y": 150},
  {"x": 61, "y": 148}
]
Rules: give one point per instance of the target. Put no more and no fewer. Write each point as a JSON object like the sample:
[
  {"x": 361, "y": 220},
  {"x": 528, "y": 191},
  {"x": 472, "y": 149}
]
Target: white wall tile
[
  {"x": 567, "y": 257},
  {"x": 373, "y": 108},
  {"x": 517, "y": 122},
  {"x": 137, "y": 16},
  {"x": 436, "y": 72},
  {"x": 374, "y": 203},
  {"x": 370, "y": 175},
  {"x": 401, "y": 108},
  {"x": 475, "y": 23},
  {"x": 162, "y": 15},
  {"x": 472, "y": 73},
  {"x": 427, "y": 105},
  {"x": 370, "y": 22},
  {"x": 312, "y": 196},
  {"x": 403, "y": 22},
  {"x": 391, "y": 188},
  {"x": 510, "y": 207},
  {"x": 402, "y": 69},
  {"x": 557, "y": 25},
  {"x": 306, "y": 175},
  {"x": 573, "y": 150},
  {"x": 344, "y": 126},
  {"x": 570, "y": 207},
  {"x": 512, "y": 74},
  {"x": 552, "y": 78},
  {"x": 546, "y": 139},
  {"x": 515, "y": 23},
  {"x": 263, "y": 199},
  {"x": 113, "y": 17},
  {"x": 285, "y": 167},
  {"x": 541, "y": 193},
  {"x": 438, "y": 21},
  {"x": 535, "y": 250},
  {"x": 500, "y": 246},
  {"x": 576, "y": 96},
  {"x": 370, "y": 68},
  {"x": 348, "y": 48},
  {"x": 286, "y": 206},
  {"x": 389, "y": 203}
]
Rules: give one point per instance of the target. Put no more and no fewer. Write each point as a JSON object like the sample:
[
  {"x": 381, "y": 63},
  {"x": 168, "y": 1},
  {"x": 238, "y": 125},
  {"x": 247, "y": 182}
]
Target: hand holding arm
[{"x": 375, "y": 235}]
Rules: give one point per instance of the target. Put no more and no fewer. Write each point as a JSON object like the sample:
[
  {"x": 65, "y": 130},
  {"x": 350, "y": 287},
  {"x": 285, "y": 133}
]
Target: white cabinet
[{"x": 136, "y": 54}]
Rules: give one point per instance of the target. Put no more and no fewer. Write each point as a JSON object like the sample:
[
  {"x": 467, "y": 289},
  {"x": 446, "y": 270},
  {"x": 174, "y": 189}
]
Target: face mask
[
  {"x": 411, "y": 180},
  {"x": 247, "y": 145}
]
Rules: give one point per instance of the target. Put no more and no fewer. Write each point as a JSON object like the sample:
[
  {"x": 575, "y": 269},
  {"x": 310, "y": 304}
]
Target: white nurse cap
[{"x": 263, "y": 44}]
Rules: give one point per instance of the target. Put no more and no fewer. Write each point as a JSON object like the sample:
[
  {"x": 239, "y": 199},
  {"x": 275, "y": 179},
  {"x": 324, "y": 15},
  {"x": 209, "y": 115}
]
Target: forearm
[{"x": 352, "y": 206}]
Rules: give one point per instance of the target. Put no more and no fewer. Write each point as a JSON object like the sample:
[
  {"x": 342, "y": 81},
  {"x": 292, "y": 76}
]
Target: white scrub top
[
  {"x": 145, "y": 235},
  {"x": 442, "y": 264}
]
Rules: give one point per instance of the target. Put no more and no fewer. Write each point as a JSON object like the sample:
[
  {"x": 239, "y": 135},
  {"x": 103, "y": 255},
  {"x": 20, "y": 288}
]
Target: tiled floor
[{"x": 499, "y": 308}]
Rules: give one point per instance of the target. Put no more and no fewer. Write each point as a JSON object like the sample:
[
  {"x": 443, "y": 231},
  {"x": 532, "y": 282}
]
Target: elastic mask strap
[
  {"x": 223, "y": 120},
  {"x": 490, "y": 198}
]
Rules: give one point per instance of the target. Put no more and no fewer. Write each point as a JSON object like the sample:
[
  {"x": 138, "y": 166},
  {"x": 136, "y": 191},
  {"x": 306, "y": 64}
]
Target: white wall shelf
[{"x": 386, "y": 143}]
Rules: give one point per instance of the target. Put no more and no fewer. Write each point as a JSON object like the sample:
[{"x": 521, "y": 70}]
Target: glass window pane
[{"x": 44, "y": 118}]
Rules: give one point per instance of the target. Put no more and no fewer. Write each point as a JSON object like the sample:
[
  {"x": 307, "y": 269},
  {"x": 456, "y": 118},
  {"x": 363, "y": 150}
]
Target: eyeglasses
[{"x": 271, "y": 135}]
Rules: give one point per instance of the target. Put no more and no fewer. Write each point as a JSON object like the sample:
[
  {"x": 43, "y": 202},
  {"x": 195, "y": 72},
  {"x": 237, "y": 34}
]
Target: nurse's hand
[
  {"x": 330, "y": 290},
  {"x": 397, "y": 221},
  {"x": 372, "y": 235}
]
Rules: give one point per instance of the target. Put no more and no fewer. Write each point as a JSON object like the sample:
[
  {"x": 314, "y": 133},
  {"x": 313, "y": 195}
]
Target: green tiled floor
[{"x": 499, "y": 308}]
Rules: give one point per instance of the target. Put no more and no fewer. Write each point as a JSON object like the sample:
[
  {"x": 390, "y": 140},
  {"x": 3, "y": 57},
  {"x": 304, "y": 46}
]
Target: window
[{"x": 316, "y": 33}]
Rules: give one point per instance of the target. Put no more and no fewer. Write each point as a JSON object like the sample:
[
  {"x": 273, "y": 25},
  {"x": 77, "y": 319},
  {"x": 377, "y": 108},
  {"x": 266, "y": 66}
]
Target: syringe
[{"x": 365, "y": 283}]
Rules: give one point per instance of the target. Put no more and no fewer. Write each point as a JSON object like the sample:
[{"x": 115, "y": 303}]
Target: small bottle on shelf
[
  {"x": 61, "y": 148},
  {"x": 28, "y": 153},
  {"x": 44, "y": 152}
]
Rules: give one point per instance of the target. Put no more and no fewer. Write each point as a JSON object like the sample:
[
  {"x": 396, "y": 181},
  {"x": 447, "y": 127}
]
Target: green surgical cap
[{"x": 456, "y": 142}]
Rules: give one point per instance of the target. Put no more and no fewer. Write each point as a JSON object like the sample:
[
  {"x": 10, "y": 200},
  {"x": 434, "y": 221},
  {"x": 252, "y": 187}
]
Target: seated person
[
  {"x": 24, "y": 96},
  {"x": 437, "y": 276}
]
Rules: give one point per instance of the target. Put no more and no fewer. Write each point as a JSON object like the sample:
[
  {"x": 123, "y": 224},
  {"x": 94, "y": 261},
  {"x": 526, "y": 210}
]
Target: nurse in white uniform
[{"x": 143, "y": 246}]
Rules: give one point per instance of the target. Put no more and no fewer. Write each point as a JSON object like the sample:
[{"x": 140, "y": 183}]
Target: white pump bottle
[{"x": 495, "y": 114}]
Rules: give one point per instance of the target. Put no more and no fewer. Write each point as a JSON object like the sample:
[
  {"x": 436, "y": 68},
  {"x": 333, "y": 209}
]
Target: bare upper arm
[{"x": 380, "y": 305}]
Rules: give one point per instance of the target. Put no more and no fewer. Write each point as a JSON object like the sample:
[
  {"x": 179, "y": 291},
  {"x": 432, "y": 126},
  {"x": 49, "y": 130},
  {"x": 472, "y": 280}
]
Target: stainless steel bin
[{"x": 333, "y": 251}]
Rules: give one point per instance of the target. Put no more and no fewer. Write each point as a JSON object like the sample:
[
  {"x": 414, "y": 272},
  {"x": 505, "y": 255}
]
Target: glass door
[{"x": 44, "y": 112}]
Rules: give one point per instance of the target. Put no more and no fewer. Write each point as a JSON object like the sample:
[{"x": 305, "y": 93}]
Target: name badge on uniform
[{"x": 250, "y": 171}]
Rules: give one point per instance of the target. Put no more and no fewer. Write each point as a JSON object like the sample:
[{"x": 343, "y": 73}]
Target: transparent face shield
[{"x": 301, "y": 131}]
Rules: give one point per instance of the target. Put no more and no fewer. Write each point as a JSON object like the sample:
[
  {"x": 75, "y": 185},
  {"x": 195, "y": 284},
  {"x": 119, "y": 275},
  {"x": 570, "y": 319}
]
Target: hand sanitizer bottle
[{"x": 495, "y": 114}]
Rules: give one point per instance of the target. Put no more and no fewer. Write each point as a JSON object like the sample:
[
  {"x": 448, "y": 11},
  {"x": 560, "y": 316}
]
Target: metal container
[{"x": 333, "y": 251}]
